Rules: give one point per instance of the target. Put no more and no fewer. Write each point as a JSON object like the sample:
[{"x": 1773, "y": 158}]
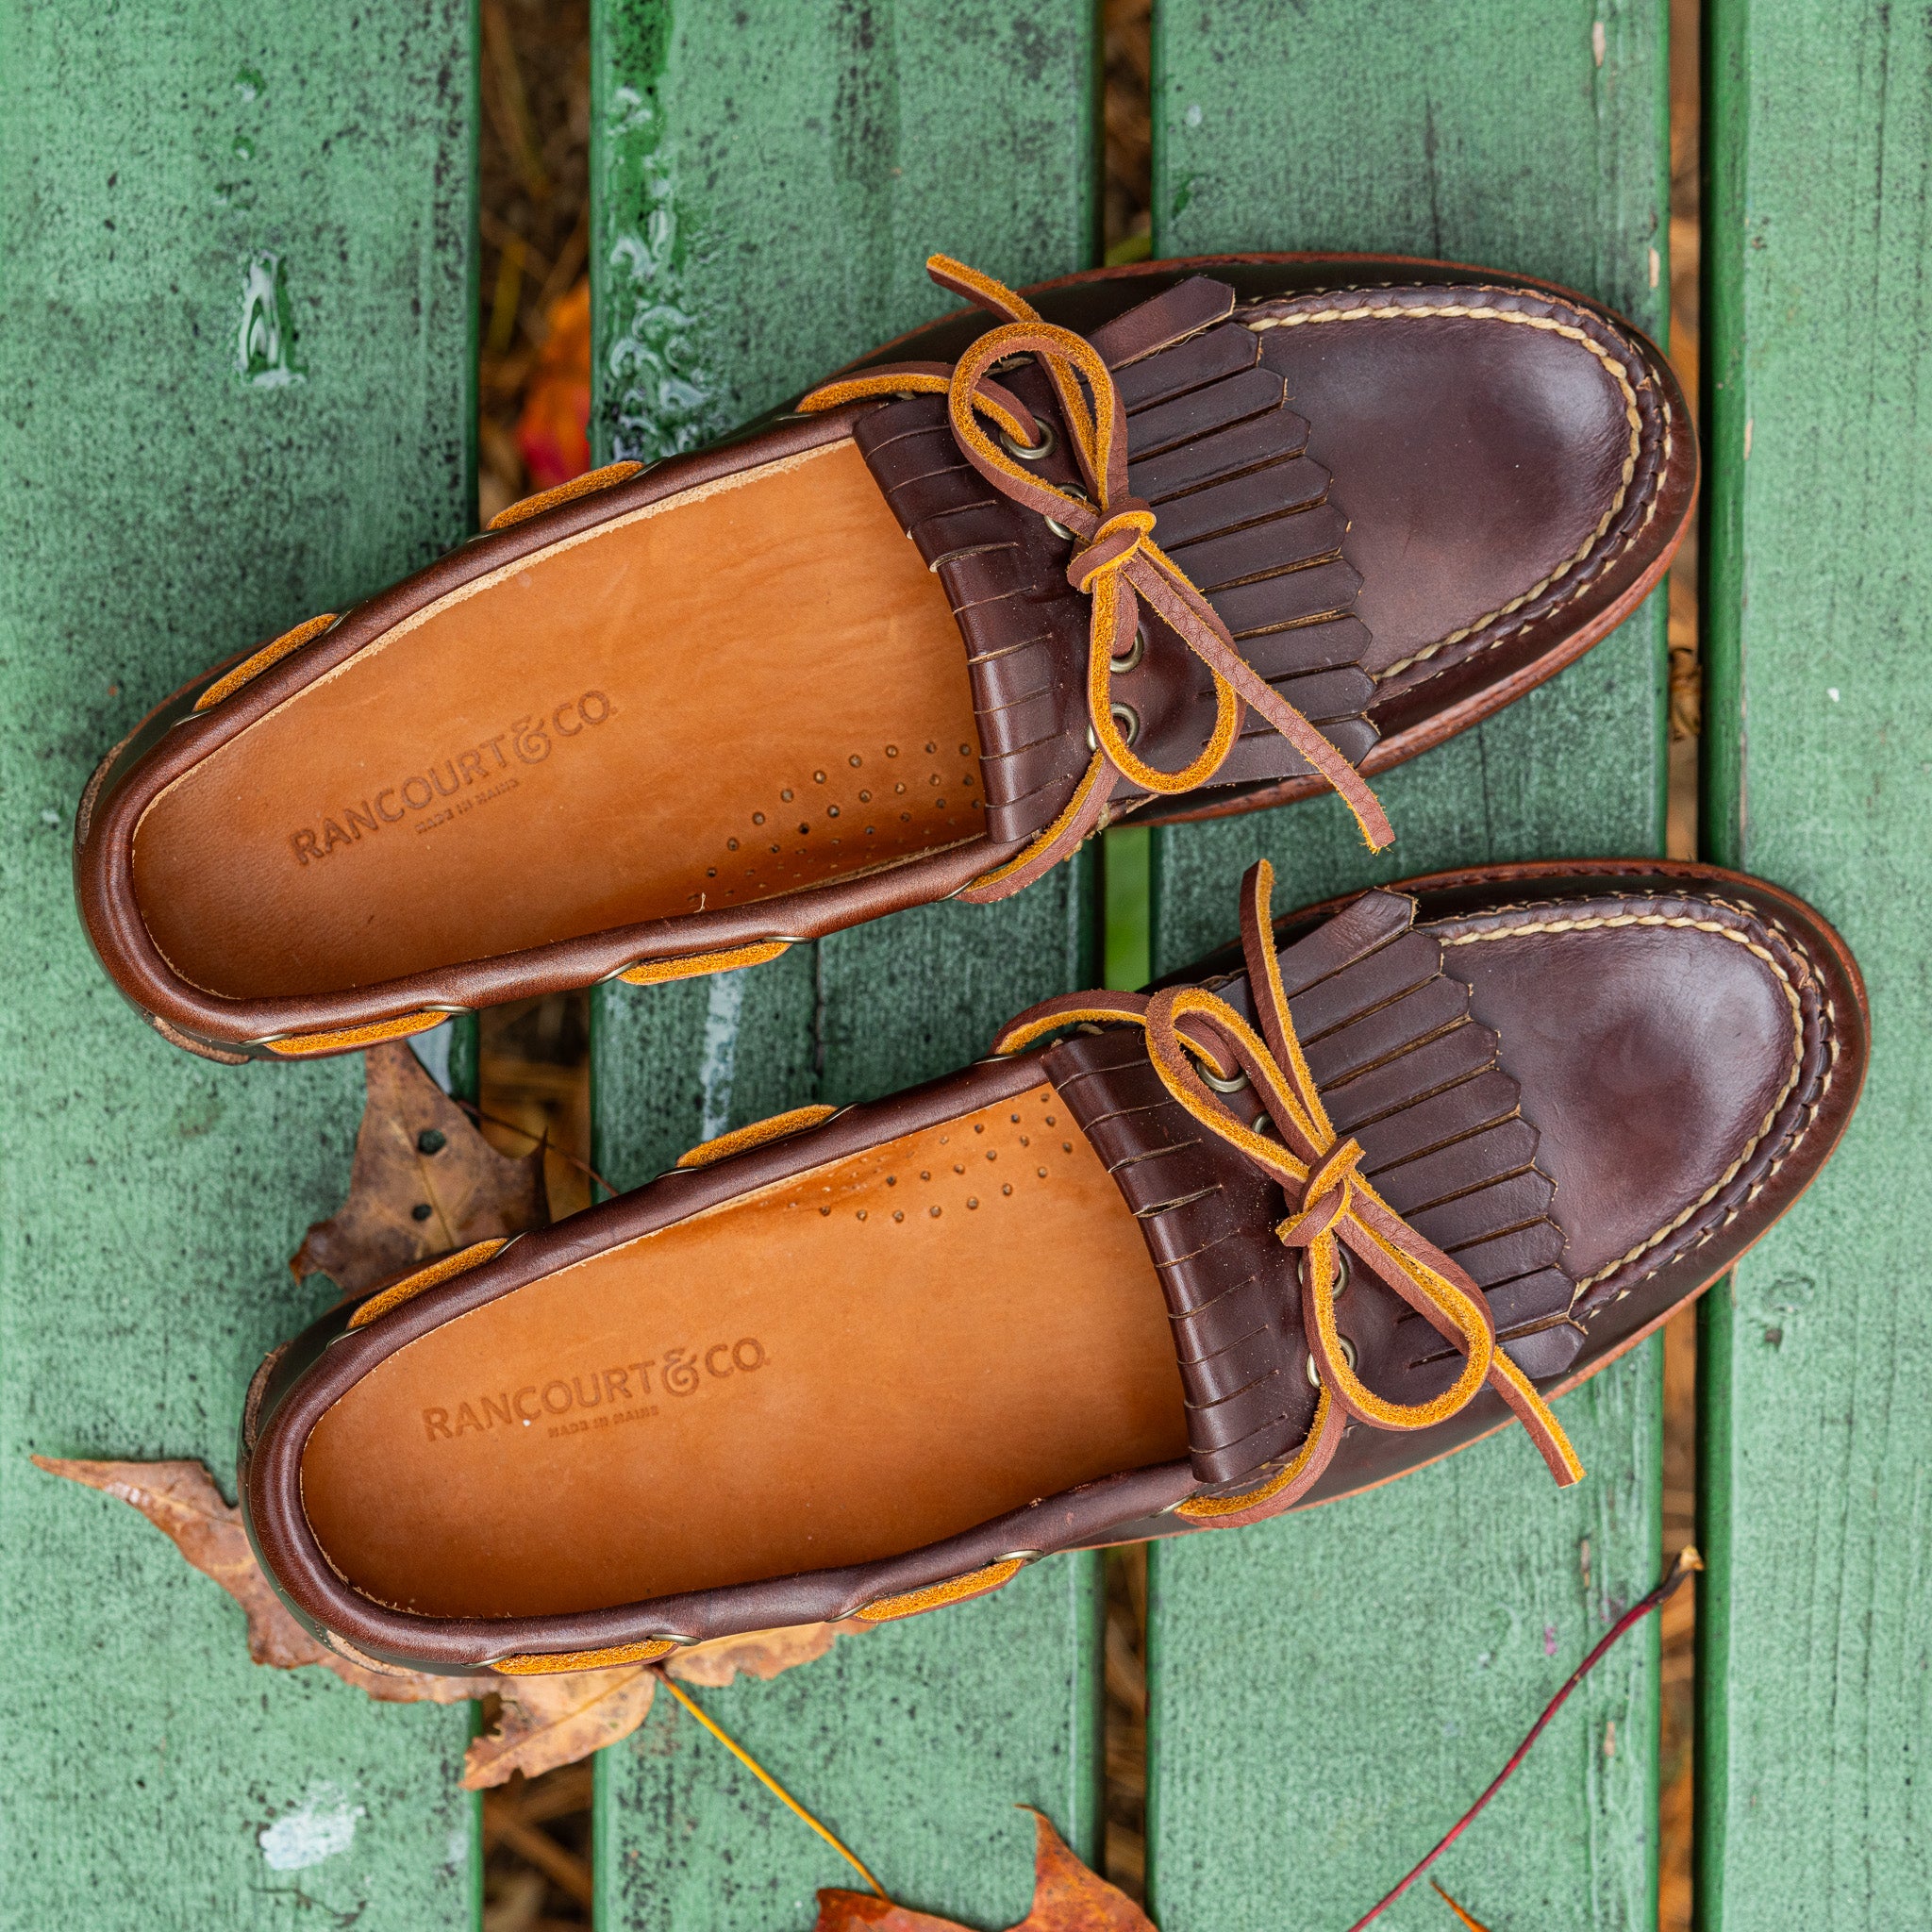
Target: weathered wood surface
[
  {"x": 1815, "y": 1625},
  {"x": 1329, "y": 1691},
  {"x": 767, "y": 182},
  {"x": 235, "y": 349}
]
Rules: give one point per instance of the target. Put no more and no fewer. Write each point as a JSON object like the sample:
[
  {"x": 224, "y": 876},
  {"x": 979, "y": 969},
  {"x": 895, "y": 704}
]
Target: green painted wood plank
[
  {"x": 1329, "y": 1691},
  {"x": 914, "y": 1747},
  {"x": 1816, "y": 1707},
  {"x": 766, "y": 185},
  {"x": 168, "y": 502},
  {"x": 769, "y": 183}
]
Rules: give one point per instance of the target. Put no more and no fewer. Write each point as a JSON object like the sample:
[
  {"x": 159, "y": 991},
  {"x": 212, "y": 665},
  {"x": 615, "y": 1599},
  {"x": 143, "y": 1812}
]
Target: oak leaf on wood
[
  {"x": 417, "y": 1150},
  {"x": 551, "y": 1720},
  {"x": 1067, "y": 1897},
  {"x": 543, "y": 1722},
  {"x": 180, "y": 1499}
]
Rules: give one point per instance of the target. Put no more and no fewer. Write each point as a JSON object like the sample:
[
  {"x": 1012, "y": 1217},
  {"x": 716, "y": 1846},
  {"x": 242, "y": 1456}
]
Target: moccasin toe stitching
[{"x": 1671, "y": 1052}]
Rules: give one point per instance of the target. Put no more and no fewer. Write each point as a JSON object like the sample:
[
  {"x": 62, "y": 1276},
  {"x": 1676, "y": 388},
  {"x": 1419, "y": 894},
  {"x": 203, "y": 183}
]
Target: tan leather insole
[
  {"x": 753, "y": 687},
  {"x": 840, "y": 1368}
]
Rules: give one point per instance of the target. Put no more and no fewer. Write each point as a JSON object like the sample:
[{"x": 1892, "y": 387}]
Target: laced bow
[
  {"x": 1332, "y": 1206},
  {"x": 1116, "y": 563}
]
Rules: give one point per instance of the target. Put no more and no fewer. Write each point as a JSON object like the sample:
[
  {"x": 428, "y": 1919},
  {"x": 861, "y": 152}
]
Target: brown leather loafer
[
  {"x": 1214, "y": 535},
  {"x": 1332, "y": 1207}
]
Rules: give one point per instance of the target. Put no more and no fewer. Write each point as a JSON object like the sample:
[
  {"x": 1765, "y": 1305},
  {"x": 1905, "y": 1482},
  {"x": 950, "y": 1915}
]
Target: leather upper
[
  {"x": 1375, "y": 488},
  {"x": 1500, "y": 447},
  {"x": 1215, "y": 450},
  {"x": 1560, "y": 1097},
  {"x": 1406, "y": 1070}
]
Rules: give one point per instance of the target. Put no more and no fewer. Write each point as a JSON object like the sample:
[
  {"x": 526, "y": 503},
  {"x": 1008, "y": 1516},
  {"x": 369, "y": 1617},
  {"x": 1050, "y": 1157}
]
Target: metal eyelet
[
  {"x": 1060, "y": 529},
  {"x": 1347, "y": 1355},
  {"x": 1233, "y": 1084},
  {"x": 1125, "y": 717},
  {"x": 1120, "y": 666},
  {"x": 1344, "y": 1272},
  {"x": 1030, "y": 452}
]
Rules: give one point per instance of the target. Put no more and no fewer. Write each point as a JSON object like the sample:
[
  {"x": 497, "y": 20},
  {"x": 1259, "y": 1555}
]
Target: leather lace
[
  {"x": 1332, "y": 1205},
  {"x": 1116, "y": 563}
]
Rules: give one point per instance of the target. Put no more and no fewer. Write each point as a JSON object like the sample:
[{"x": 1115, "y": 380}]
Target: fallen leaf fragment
[
  {"x": 551, "y": 1721},
  {"x": 543, "y": 1722},
  {"x": 417, "y": 1150},
  {"x": 553, "y": 432},
  {"x": 1067, "y": 1897},
  {"x": 180, "y": 1499},
  {"x": 761, "y": 1653},
  {"x": 848, "y": 1911}
]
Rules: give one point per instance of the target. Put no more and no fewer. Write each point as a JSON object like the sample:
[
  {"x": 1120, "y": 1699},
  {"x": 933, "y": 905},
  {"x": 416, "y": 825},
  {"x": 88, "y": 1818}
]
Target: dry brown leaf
[
  {"x": 1067, "y": 1897},
  {"x": 545, "y": 1721},
  {"x": 760, "y": 1654},
  {"x": 181, "y": 1501},
  {"x": 551, "y": 1720},
  {"x": 416, "y": 1150}
]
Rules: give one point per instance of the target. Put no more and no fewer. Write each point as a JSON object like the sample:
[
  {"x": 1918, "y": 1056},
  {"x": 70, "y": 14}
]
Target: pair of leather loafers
[{"x": 1386, "y": 1176}]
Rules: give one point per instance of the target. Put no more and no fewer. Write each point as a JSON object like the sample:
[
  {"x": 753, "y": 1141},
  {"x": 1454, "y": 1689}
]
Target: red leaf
[{"x": 553, "y": 432}]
